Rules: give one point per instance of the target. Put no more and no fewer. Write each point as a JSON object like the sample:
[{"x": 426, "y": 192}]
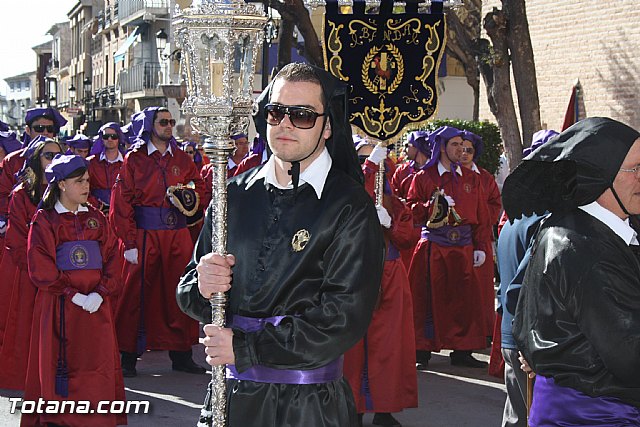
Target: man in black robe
[
  {"x": 307, "y": 258},
  {"x": 577, "y": 321}
]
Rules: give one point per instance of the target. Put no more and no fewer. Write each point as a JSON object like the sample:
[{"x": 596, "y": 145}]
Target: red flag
[{"x": 571, "y": 116}]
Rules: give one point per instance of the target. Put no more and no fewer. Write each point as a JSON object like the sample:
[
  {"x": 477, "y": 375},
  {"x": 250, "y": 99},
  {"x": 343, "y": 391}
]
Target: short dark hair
[
  {"x": 160, "y": 110},
  {"x": 44, "y": 116},
  {"x": 300, "y": 72}
]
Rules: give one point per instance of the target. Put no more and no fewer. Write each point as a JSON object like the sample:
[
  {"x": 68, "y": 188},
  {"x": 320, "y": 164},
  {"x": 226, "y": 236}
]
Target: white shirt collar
[
  {"x": 474, "y": 168},
  {"x": 117, "y": 159},
  {"x": 442, "y": 169},
  {"x": 231, "y": 164},
  {"x": 152, "y": 148},
  {"x": 315, "y": 174},
  {"x": 614, "y": 222},
  {"x": 61, "y": 209}
]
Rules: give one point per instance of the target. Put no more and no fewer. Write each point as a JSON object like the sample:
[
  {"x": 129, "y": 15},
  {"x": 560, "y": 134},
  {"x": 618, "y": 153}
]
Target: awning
[{"x": 122, "y": 51}]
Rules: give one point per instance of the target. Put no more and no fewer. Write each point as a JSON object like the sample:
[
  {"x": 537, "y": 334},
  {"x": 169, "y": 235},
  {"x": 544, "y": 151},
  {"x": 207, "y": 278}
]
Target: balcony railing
[
  {"x": 140, "y": 77},
  {"x": 127, "y": 8}
]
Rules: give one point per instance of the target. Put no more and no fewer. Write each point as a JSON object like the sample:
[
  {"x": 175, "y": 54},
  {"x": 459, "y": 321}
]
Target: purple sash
[
  {"x": 151, "y": 218},
  {"x": 79, "y": 255},
  {"x": 448, "y": 235},
  {"x": 102, "y": 194},
  {"x": 392, "y": 252},
  {"x": 263, "y": 374},
  {"x": 554, "y": 405}
]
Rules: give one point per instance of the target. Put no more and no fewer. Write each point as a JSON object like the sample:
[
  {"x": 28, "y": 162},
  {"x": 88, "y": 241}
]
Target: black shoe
[
  {"x": 385, "y": 419},
  {"x": 188, "y": 366},
  {"x": 360, "y": 419},
  {"x": 129, "y": 372},
  {"x": 464, "y": 358},
  {"x": 128, "y": 362}
]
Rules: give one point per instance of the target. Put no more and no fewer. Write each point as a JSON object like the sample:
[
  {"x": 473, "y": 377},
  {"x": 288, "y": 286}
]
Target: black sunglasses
[
  {"x": 300, "y": 117},
  {"x": 469, "y": 150},
  {"x": 113, "y": 136},
  {"x": 49, "y": 155},
  {"x": 165, "y": 122},
  {"x": 41, "y": 128},
  {"x": 190, "y": 152}
]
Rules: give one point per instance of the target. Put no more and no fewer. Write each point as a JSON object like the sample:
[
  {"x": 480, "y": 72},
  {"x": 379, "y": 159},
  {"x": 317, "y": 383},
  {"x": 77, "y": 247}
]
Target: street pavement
[{"x": 448, "y": 395}]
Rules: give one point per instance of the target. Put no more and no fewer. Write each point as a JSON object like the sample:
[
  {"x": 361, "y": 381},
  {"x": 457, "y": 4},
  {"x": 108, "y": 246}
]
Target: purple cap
[
  {"x": 98, "y": 143},
  {"x": 476, "y": 140},
  {"x": 32, "y": 145},
  {"x": 239, "y": 135},
  {"x": 9, "y": 142},
  {"x": 439, "y": 138},
  {"x": 52, "y": 113},
  {"x": 127, "y": 130},
  {"x": 539, "y": 138},
  {"x": 62, "y": 166},
  {"x": 28, "y": 152},
  {"x": 197, "y": 158},
  {"x": 420, "y": 140},
  {"x": 79, "y": 141}
]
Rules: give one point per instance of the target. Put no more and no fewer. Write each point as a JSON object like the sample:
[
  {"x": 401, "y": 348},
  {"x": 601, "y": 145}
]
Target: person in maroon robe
[
  {"x": 257, "y": 156},
  {"x": 17, "y": 293},
  {"x": 448, "y": 201},
  {"x": 157, "y": 244},
  {"x": 39, "y": 121},
  {"x": 418, "y": 154},
  {"x": 72, "y": 260},
  {"x": 380, "y": 368},
  {"x": 484, "y": 275},
  {"x": 105, "y": 162},
  {"x": 241, "y": 141}
]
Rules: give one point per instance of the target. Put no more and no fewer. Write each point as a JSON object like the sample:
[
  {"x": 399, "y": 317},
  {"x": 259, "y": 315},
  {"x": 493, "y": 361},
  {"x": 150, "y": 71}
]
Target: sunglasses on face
[
  {"x": 113, "y": 136},
  {"x": 41, "y": 128},
  {"x": 190, "y": 152},
  {"x": 49, "y": 155},
  {"x": 469, "y": 150},
  {"x": 166, "y": 122},
  {"x": 300, "y": 117}
]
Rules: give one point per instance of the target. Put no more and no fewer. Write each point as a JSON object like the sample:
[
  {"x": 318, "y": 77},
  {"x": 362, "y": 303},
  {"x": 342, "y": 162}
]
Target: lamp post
[
  {"x": 72, "y": 94},
  {"x": 219, "y": 39},
  {"x": 88, "y": 110}
]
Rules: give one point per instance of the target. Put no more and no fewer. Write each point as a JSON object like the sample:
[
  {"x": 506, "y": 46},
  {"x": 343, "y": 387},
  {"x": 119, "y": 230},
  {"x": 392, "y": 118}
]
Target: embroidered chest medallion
[
  {"x": 175, "y": 170},
  {"x": 300, "y": 240},
  {"x": 92, "y": 223}
]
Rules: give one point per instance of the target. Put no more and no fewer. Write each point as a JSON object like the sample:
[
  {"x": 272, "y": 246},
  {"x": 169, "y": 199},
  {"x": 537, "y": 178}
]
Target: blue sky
[{"x": 24, "y": 24}]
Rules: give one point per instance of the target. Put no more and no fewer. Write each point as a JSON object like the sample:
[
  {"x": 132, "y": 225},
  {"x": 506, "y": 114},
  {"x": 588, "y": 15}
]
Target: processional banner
[{"x": 390, "y": 60}]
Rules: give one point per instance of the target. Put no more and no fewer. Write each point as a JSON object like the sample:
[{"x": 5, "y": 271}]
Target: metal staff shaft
[
  {"x": 379, "y": 184},
  {"x": 218, "y": 152}
]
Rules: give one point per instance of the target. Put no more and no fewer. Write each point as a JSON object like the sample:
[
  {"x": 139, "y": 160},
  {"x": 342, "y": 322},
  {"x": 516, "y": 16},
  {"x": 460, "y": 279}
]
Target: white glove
[
  {"x": 131, "y": 255},
  {"x": 79, "y": 299},
  {"x": 478, "y": 258},
  {"x": 449, "y": 199},
  {"x": 3, "y": 227},
  {"x": 378, "y": 154},
  {"x": 383, "y": 216},
  {"x": 93, "y": 302}
]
